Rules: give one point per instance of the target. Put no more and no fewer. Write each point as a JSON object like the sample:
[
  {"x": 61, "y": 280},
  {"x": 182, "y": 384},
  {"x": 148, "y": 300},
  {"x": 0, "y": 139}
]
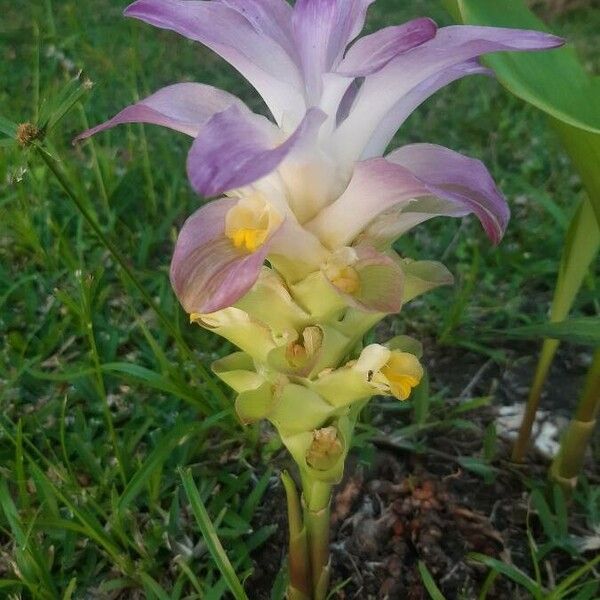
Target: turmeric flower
[{"x": 310, "y": 191}]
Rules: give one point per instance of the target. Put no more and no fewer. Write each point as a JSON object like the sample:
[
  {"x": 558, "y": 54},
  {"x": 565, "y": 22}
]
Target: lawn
[{"x": 106, "y": 395}]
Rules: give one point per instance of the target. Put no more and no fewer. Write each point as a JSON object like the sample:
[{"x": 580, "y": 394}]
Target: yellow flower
[
  {"x": 403, "y": 372},
  {"x": 390, "y": 371}
]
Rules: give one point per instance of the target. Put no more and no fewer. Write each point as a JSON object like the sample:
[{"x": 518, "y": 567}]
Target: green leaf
[
  {"x": 54, "y": 110},
  {"x": 210, "y": 537},
  {"x": 560, "y": 509},
  {"x": 429, "y": 583},
  {"x": 478, "y": 466},
  {"x": 152, "y": 379},
  {"x": 581, "y": 247},
  {"x": 6, "y": 583},
  {"x": 490, "y": 442},
  {"x": 153, "y": 588},
  {"x": 421, "y": 400},
  {"x": 154, "y": 461},
  {"x": 585, "y": 330},
  {"x": 510, "y": 571},
  {"x": 252, "y": 501},
  {"x": 8, "y": 128},
  {"x": 554, "y": 80},
  {"x": 588, "y": 591},
  {"x": 544, "y": 514},
  {"x": 584, "y": 150},
  {"x": 559, "y": 591},
  {"x": 68, "y": 595}
]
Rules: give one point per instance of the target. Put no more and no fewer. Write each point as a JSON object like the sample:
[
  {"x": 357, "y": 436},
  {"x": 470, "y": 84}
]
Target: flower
[
  {"x": 311, "y": 191},
  {"x": 390, "y": 371}
]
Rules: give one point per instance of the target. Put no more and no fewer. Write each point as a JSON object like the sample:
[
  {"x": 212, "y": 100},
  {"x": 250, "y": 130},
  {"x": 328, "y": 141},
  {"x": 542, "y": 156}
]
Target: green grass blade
[
  {"x": 567, "y": 582},
  {"x": 432, "y": 589},
  {"x": 584, "y": 330},
  {"x": 210, "y": 537},
  {"x": 68, "y": 595},
  {"x": 544, "y": 514},
  {"x": 7, "y": 127},
  {"x": 256, "y": 495},
  {"x": 510, "y": 571},
  {"x": 153, "y": 588},
  {"x": 154, "y": 461},
  {"x": 27, "y": 549},
  {"x": 165, "y": 319},
  {"x": 190, "y": 575}
]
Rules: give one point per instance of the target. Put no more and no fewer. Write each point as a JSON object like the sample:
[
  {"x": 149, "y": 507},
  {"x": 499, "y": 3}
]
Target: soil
[{"x": 402, "y": 507}]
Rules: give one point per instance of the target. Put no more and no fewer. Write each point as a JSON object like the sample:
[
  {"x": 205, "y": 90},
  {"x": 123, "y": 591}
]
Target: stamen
[
  {"x": 250, "y": 223},
  {"x": 341, "y": 273}
]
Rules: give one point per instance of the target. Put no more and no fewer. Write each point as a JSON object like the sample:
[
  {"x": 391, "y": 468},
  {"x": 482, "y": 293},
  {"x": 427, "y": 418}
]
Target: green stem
[
  {"x": 533, "y": 401},
  {"x": 299, "y": 564},
  {"x": 100, "y": 387},
  {"x": 317, "y": 517},
  {"x": 163, "y": 317},
  {"x": 580, "y": 248},
  {"x": 96, "y": 165},
  {"x": 569, "y": 461}
]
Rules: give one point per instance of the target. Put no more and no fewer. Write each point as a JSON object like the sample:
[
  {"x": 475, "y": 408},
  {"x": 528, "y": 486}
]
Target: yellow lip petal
[
  {"x": 403, "y": 372},
  {"x": 250, "y": 223}
]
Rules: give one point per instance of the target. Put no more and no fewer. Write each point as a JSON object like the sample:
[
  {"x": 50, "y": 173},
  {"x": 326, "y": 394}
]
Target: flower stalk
[
  {"x": 317, "y": 515},
  {"x": 567, "y": 464},
  {"x": 294, "y": 262},
  {"x": 300, "y": 586}
]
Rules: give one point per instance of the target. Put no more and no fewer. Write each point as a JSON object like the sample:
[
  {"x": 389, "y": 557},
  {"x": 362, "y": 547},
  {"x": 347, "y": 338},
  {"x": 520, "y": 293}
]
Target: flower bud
[
  {"x": 302, "y": 350},
  {"x": 325, "y": 449}
]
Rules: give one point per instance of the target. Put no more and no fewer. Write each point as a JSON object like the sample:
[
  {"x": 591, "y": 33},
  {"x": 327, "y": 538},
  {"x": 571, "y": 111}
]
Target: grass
[{"x": 101, "y": 398}]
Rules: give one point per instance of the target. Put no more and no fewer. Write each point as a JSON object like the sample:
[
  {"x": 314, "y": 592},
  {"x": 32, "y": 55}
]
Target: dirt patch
[{"x": 406, "y": 507}]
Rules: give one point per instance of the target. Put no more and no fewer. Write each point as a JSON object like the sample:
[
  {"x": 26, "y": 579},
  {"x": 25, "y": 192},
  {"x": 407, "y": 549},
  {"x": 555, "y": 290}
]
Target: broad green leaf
[
  {"x": 554, "y": 80},
  {"x": 584, "y": 149},
  {"x": 211, "y": 539},
  {"x": 585, "y": 330},
  {"x": 579, "y": 251}
]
